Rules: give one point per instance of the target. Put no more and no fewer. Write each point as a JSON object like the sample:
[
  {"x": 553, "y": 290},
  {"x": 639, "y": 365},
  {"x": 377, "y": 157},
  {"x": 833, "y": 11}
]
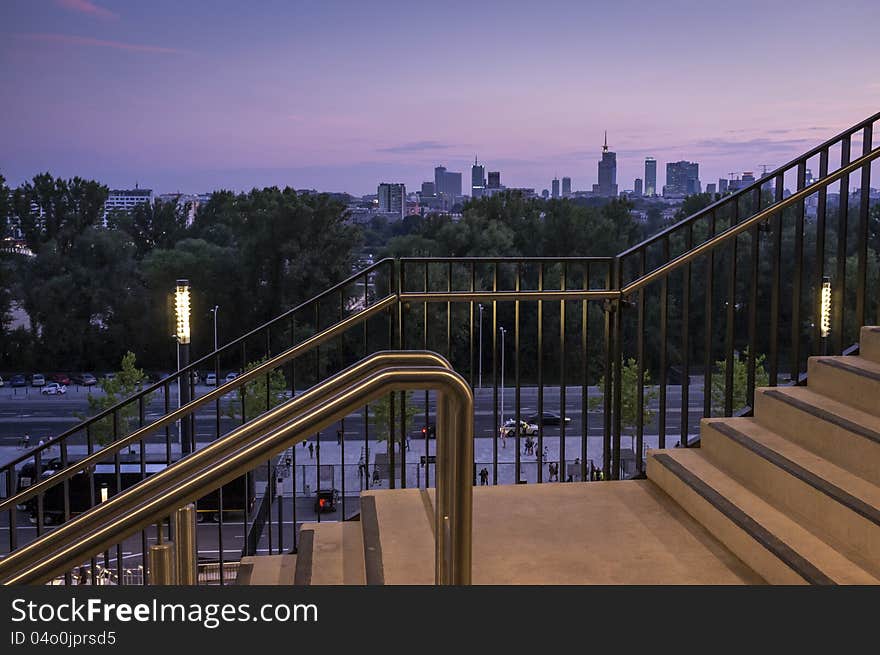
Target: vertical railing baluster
[
  {"x": 797, "y": 277},
  {"x": 540, "y": 454},
  {"x": 561, "y": 459},
  {"x": 838, "y": 309},
  {"x": 495, "y": 371},
  {"x": 640, "y": 374},
  {"x": 585, "y": 374},
  {"x": 731, "y": 315},
  {"x": 755, "y": 235},
  {"x": 821, "y": 218},
  {"x": 664, "y": 326},
  {"x": 709, "y": 296},
  {"x": 862, "y": 249},
  {"x": 608, "y": 391},
  {"x": 776, "y": 230},
  {"x": 686, "y": 343},
  {"x": 517, "y": 396}
]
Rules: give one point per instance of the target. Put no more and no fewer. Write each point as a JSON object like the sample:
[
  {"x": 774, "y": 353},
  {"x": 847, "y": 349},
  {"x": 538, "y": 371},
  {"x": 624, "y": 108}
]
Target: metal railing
[
  {"x": 680, "y": 305},
  {"x": 239, "y": 452}
]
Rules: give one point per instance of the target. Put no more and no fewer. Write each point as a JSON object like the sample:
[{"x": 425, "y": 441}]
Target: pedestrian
[
  {"x": 375, "y": 475},
  {"x": 546, "y": 453},
  {"x": 339, "y": 437},
  {"x": 311, "y": 450},
  {"x": 407, "y": 442},
  {"x": 484, "y": 477},
  {"x": 569, "y": 479}
]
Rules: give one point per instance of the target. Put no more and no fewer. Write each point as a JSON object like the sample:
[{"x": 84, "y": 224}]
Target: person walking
[
  {"x": 311, "y": 450},
  {"x": 339, "y": 437},
  {"x": 484, "y": 477}
]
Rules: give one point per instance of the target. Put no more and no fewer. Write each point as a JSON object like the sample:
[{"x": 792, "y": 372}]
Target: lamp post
[
  {"x": 214, "y": 312},
  {"x": 503, "y": 332},
  {"x": 480, "y": 378},
  {"x": 182, "y": 309}
]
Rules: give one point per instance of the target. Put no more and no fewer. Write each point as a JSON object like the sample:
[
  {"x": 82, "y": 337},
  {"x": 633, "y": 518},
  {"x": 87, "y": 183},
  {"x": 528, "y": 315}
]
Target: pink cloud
[
  {"x": 118, "y": 45},
  {"x": 86, "y": 7}
]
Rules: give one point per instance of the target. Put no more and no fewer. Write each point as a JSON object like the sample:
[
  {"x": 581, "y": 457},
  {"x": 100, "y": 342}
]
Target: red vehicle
[{"x": 60, "y": 378}]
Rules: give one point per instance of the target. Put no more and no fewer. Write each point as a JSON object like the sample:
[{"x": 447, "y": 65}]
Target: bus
[{"x": 238, "y": 495}]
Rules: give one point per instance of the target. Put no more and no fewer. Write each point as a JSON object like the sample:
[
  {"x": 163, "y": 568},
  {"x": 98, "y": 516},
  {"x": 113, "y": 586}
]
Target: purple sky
[{"x": 339, "y": 96}]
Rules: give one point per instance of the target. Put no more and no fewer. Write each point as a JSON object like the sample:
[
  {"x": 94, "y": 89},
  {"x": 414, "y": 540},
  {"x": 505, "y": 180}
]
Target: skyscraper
[
  {"x": 555, "y": 186},
  {"x": 439, "y": 179},
  {"x": 637, "y": 187},
  {"x": 392, "y": 199},
  {"x": 710, "y": 189},
  {"x": 682, "y": 179},
  {"x": 447, "y": 186},
  {"x": 494, "y": 179},
  {"x": 607, "y": 187},
  {"x": 722, "y": 185},
  {"x": 478, "y": 179},
  {"x": 650, "y": 176},
  {"x": 429, "y": 189},
  {"x": 566, "y": 187}
]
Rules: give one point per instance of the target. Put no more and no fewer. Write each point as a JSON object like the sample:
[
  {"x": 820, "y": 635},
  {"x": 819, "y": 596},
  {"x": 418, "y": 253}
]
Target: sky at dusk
[{"x": 197, "y": 95}]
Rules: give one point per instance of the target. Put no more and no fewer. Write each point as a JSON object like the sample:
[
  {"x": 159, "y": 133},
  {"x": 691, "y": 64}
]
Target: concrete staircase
[{"x": 790, "y": 496}]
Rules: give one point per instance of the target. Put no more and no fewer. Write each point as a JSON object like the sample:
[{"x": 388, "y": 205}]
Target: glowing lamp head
[
  {"x": 825, "y": 324},
  {"x": 181, "y": 306}
]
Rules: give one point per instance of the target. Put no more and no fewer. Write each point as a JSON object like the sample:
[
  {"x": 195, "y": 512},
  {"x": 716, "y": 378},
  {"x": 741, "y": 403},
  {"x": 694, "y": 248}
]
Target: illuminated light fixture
[
  {"x": 825, "y": 324},
  {"x": 181, "y": 305},
  {"x": 104, "y": 493}
]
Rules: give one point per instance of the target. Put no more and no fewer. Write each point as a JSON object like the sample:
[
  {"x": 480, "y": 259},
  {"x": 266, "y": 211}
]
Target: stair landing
[{"x": 625, "y": 532}]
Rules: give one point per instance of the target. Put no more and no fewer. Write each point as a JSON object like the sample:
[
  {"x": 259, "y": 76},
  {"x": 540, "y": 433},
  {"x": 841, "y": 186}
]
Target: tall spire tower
[{"x": 605, "y": 147}]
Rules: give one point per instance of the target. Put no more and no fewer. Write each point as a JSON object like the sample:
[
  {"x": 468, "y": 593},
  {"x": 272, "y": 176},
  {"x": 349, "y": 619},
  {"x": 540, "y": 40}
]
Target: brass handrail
[
  {"x": 206, "y": 470},
  {"x": 181, "y": 412},
  {"x": 502, "y": 296},
  {"x": 743, "y": 226}
]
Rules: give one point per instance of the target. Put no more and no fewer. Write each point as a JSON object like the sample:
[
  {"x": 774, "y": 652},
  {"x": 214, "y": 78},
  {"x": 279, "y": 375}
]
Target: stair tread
[
  {"x": 268, "y": 569},
  {"x": 337, "y": 553},
  {"x": 856, "y": 492},
  {"x": 784, "y": 527},
  {"x": 853, "y": 364},
  {"x": 825, "y": 408}
]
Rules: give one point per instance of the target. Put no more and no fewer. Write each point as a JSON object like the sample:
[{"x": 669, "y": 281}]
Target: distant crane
[{"x": 764, "y": 169}]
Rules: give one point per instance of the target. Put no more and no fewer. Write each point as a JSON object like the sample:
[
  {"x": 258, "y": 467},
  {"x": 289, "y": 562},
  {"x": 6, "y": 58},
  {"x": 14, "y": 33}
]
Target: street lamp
[
  {"x": 182, "y": 332},
  {"x": 480, "y": 382},
  {"x": 503, "y": 332}
]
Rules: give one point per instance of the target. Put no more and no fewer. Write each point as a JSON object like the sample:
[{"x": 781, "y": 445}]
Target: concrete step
[
  {"x": 266, "y": 570},
  {"x": 843, "y": 435},
  {"x": 854, "y": 381},
  {"x": 869, "y": 343},
  {"x": 839, "y": 507},
  {"x": 767, "y": 539},
  {"x": 330, "y": 553},
  {"x": 626, "y": 532}
]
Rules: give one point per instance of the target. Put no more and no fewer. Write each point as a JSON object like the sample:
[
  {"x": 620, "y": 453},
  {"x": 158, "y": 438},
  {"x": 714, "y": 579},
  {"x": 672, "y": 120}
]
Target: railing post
[
  {"x": 185, "y": 544},
  {"x": 162, "y": 564},
  {"x": 617, "y": 322}
]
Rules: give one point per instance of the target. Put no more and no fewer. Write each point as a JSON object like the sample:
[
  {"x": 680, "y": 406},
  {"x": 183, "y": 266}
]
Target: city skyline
[{"x": 198, "y": 97}]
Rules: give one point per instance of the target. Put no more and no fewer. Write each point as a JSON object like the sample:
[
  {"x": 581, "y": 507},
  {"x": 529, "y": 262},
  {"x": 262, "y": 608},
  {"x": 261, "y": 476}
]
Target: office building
[
  {"x": 545, "y": 194},
  {"x": 555, "y": 186},
  {"x": 566, "y": 187},
  {"x": 722, "y": 185},
  {"x": 650, "y": 176},
  {"x": 607, "y": 187},
  {"x": 126, "y": 199},
  {"x": 710, "y": 188},
  {"x": 494, "y": 180},
  {"x": 682, "y": 179},
  {"x": 478, "y": 179},
  {"x": 429, "y": 189},
  {"x": 637, "y": 187},
  {"x": 392, "y": 199}
]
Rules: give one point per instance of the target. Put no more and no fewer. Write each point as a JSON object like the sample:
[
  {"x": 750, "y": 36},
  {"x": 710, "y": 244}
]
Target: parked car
[
  {"x": 549, "y": 418},
  {"x": 525, "y": 429},
  {"x": 38, "y": 380},
  {"x": 1, "y": 380},
  {"x": 17, "y": 381},
  {"x": 231, "y": 376},
  {"x": 54, "y": 389},
  {"x": 84, "y": 379},
  {"x": 60, "y": 378},
  {"x": 211, "y": 379}
]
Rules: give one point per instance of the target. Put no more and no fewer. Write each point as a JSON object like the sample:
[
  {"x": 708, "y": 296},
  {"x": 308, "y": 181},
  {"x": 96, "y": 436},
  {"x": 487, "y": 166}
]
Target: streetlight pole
[
  {"x": 503, "y": 332},
  {"x": 480, "y": 382},
  {"x": 182, "y": 307},
  {"x": 214, "y": 311}
]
